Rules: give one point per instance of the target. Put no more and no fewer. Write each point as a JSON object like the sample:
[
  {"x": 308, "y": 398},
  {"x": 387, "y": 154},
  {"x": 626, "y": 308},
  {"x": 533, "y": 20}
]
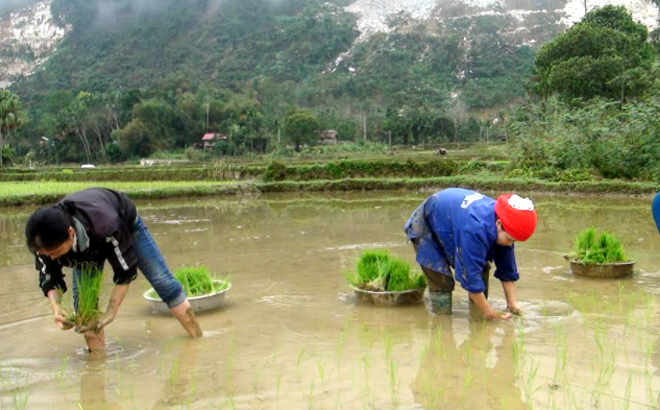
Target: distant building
[
  {"x": 329, "y": 137},
  {"x": 210, "y": 139}
]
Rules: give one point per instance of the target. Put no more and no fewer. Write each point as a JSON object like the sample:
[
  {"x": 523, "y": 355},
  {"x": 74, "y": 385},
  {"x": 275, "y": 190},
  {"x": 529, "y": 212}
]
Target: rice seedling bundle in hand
[
  {"x": 378, "y": 271},
  {"x": 592, "y": 246},
  {"x": 87, "y": 313}
]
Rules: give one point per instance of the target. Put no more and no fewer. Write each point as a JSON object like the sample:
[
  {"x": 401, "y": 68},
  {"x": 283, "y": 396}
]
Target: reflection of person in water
[
  {"x": 92, "y": 386},
  {"x": 467, "y": 375},
  {"x": 180, "y": 386},
  {"x": 655, "y": 208},
  {"x": 464, "y": 230}
]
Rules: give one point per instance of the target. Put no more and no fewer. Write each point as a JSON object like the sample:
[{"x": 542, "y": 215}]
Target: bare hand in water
[{"x": 515, "y": 309}]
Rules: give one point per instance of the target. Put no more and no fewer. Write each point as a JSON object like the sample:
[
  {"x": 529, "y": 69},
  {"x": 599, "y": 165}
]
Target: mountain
[{"x": 342, "y": 52}]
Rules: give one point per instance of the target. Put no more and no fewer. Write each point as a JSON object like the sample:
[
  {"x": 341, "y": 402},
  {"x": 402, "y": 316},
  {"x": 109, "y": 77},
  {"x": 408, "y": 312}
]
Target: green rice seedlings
[
  {"x": 387, "y": 344},
  {"x": 64, "y": 364},
  {"x": 198, "y": 281},
  {"x": 299, "y": 359},
  {"x": 528, "y": 386},
  {"x": 320, "y": 366},
  {"x": 89, "y": 284},
  {"x": 468, "y": 377},
  {"x": 592, "y": 246},
  {"x": 562, "y": 352},
  {"x": 378, "y": 271},
  {"x": 174, "y": 371},
  {"x": 340, "y": 348},
  {"x": 368, "y": 268},
  {"x": 278, "y": 386},
  {"x": 310, "y": 399},
  {"x": 366, "y": 366},
  {"x": 607, "y": 366},
  {"x": 626, "y": 405},
  {"x": 518, "y": 349},
  {"x": 394, "y": 384}
]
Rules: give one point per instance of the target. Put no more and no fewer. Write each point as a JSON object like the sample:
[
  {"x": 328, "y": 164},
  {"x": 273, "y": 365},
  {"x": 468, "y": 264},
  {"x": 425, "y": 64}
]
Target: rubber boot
[{"x": 439, "y": 303}]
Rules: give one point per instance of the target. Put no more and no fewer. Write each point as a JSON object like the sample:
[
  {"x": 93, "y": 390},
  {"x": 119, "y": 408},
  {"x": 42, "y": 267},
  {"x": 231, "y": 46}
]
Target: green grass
[
  {"x": 9, "y": 189},
  {"x": 377, "y": 270},
  {"x": 197, "y": 281},
  {"x": 592, "y": 246},
  {"x": 89, "y": 291},
  {"x": 23, "y": 193}
]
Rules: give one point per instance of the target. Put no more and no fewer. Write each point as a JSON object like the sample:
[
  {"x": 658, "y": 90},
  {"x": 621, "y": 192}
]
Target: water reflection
[{"x": 468, "y": 371}]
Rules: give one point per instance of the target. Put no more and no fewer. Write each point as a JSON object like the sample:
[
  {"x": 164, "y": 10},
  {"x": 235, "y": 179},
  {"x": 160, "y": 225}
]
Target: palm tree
[{"x": 9, "y": 115}]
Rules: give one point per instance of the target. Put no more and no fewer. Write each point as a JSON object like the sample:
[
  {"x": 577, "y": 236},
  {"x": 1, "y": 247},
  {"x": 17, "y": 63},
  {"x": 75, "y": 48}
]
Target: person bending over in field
[{"x": 87, "y": 228}]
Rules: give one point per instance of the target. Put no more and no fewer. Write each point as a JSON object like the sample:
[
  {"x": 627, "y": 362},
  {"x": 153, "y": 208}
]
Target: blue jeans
[
  {"x": 151, "y": 264},
  {"x": 655, "y": 208}
]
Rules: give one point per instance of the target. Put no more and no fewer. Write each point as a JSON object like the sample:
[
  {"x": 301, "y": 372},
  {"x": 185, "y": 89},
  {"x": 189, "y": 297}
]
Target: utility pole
[
  {"x": 207, "y": 112},
  {"x": 365, "y": 128},
  {"x": 389, "y": 139}
]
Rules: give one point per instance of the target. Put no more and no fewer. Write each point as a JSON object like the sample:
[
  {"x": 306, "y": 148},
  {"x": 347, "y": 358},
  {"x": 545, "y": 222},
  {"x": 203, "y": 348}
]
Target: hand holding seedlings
[
  {"x": 99, "y": 324},
  {"x": 64, "y": 235},
  {"x": 60, "y": 319},
  {"x": 59, "y": 316},
  {"x": 102, "y": 320}
]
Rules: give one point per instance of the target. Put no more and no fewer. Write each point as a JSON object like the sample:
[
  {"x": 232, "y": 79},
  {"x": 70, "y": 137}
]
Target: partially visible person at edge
[
  {"x": 655, "y": 208},
  {"x": 465, "y": 230},
  {"x": 90, "y": 227}
]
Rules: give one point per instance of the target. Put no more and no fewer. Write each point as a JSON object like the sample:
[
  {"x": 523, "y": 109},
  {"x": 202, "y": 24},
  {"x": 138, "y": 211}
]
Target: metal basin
[
  {"x": 406, "y": 297},
  {"x": 602, "y": 270},
  {"x": 203, "y": 303}
]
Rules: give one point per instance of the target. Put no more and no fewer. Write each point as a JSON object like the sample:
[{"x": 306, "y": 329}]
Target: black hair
[{"x": 47, "y": 228}]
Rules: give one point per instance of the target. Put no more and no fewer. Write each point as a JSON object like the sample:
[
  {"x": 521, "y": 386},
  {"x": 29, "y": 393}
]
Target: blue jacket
[
  {"x": 456, "y": 227},
  {"x": 656, "y": 210}
]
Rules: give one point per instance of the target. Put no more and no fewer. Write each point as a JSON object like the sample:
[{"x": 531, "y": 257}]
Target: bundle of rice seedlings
[
  {"x": 377, "y": 271},
  {"x": 89, "y": 285},
  {"x": 592, "y": 246},
  {"x": 197, "y": 281}
]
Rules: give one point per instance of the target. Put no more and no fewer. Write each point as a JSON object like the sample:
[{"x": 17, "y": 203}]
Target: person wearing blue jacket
[
  {"x": 655, "y": 208},
  {"x": 464, "y": 230}
]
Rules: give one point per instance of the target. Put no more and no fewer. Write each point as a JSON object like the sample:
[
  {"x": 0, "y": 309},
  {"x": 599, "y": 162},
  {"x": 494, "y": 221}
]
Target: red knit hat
[{"x": 517, "y": 215}]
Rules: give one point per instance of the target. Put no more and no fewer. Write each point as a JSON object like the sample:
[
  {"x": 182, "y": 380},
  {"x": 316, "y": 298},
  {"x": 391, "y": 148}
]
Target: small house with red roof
[{"x": 209, "y": 139}]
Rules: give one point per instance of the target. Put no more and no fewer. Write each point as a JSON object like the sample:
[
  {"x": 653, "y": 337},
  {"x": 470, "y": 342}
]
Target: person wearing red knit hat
[{"x": 464, "y": 230}]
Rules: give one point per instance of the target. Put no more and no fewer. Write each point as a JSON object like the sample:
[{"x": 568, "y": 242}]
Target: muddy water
[{"x": 291, "y": 337}]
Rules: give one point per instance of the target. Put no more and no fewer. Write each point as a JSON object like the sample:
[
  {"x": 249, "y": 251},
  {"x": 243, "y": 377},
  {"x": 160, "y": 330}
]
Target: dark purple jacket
[{"x": 103, "y": 220}]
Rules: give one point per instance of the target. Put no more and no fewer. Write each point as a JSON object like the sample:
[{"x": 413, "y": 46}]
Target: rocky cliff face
[
  {"x": 27, "y": 38},
  {"x": 524, "y": 21},
  {"x": 30, "y": 35}
]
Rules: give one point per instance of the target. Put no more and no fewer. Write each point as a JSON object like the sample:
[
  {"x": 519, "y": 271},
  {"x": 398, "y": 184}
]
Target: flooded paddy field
[{"x": 291, "y": 336}]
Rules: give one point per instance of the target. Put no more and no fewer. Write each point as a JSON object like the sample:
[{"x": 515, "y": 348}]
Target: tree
[
  {"x": 458, "y": 112},
  {"x": 606, "y": 54},
  {"x": 10, "y": 110},
  {"x": 302, "y": 127},
  {"x": 137, "y": 139}
]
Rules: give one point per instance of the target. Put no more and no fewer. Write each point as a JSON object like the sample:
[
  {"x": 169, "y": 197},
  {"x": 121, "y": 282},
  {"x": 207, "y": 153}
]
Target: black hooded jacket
[{"x": 104, "y": 221}]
